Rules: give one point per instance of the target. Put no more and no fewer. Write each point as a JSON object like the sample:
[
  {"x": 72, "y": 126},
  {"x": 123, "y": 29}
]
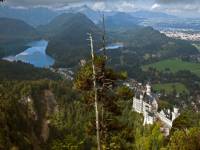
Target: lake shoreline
[{"x": 35, "y": 55}]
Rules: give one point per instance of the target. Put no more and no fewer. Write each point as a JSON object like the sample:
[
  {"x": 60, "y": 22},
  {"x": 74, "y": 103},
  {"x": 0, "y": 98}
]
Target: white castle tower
[
  {"x": 175, "y": 113},
  {"x": 148, "y": 89}
]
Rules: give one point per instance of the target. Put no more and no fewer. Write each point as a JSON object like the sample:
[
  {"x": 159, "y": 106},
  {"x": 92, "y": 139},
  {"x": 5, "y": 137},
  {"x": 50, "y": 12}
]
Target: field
[
  {"x": 175, "y": 65},
  {"x": 168, "y": 87}
]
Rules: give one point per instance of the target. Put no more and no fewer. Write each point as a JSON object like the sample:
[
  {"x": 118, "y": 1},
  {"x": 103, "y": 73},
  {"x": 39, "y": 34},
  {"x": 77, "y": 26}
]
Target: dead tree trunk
[{"x": 96, "y": 94}]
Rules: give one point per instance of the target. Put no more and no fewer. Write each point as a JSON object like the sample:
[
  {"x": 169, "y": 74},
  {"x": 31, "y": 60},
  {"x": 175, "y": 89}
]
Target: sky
[{"x": 176, "y": 7}]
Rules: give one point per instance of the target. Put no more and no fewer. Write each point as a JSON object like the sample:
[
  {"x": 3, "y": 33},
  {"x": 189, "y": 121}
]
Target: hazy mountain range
[
  {"x": 40, "y": 15},
  {"x": 67, "y": 33}
]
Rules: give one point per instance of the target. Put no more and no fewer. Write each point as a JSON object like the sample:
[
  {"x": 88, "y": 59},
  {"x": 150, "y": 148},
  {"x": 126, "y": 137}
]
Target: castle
[{"x": 145, "y": 102}]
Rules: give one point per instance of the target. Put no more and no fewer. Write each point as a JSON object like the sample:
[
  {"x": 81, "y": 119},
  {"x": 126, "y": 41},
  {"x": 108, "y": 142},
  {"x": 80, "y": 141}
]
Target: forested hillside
[
  {"x": 33, "y": 16},
  {"x": 67, "y": 36},
  {"x": 121, "y": 21},
  {"x": 15, "y": 34},
  {"x": 146, "y": 40},
  {"x": 23, "y": 71},
  {"x": 57, "y": 115}
]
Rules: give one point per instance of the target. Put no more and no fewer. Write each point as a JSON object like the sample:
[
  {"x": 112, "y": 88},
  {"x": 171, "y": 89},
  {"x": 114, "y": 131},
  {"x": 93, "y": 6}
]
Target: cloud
[
  {"x": 155, "y": 6},
  {"x": 65, "y": 2},
  {"x": 40, "y": 2},
  {"x": 126, "y": 6},
  {"x": 99, "y": 6},
  {"x": 169, "y": 6},
  {"x": 178, "y": 1}
]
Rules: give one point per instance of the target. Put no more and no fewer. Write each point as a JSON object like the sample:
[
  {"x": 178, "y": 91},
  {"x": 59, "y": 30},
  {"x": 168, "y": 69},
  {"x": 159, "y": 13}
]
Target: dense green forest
[
  {"x": 59, "y": 115},
  {"x": 43, "y": 112},
  {"x": 23, "y": 71}
]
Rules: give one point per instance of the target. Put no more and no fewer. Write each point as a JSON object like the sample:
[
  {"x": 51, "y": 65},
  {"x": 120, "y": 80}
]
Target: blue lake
[
  {"x": 35, "y": 55},
  {"x": 113, "y": 46}
]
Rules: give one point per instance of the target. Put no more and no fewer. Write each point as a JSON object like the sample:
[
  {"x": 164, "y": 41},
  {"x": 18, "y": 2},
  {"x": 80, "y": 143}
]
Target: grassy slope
[
  {"x": 175, "y": 65},
  {"x": 168, "y": 87}
]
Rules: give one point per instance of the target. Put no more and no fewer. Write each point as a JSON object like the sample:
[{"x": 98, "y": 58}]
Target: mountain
[
  {"x": 67, "y": 35},
  {"x": 121, "y": 20},
  {"x": 68, "y": 38},
  {"x": 84, "y": 9},
  {"x": 11, "y": 28},
  {"x": 14, "y": 35},
  {"x": 57, "y": 25},
  {"x": 33, "y": 16},
  {"x": 148, "y": 40},
  {"x": 90, "y": 13},
  {"x": 143, "y": 45},
  {"x": 151, "y": 14}
]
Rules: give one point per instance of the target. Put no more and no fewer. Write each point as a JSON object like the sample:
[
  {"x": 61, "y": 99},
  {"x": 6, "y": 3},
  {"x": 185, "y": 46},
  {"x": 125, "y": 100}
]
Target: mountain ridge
[
  {"x": 68, "y": 37},
  {"x": 15, "y": 34}
]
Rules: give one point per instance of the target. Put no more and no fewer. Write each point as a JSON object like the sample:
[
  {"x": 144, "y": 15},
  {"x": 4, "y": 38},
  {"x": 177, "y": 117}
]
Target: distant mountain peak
[{"x": 151, "y": 14}]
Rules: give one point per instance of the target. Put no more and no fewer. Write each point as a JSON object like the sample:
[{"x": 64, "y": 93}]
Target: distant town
[{"x": 183, "y": 35}]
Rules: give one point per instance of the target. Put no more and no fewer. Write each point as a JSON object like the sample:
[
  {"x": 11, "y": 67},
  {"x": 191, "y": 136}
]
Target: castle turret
[
  {"x": 141, "y": 97},
  {"x": 148, "y": 89},
  {"x": 175, "y": 113}
]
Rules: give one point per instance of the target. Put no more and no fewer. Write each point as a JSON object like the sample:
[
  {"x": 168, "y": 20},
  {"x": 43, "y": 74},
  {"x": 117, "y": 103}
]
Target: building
[{"x": 145, "y": 102}]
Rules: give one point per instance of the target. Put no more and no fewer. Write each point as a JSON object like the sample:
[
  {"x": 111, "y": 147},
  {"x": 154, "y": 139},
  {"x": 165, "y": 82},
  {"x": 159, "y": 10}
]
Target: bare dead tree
[{"x": 96, "y": 94}]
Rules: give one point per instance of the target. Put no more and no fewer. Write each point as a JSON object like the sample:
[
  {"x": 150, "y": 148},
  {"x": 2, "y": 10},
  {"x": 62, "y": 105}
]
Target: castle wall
[{"x": 164, "y": 119}]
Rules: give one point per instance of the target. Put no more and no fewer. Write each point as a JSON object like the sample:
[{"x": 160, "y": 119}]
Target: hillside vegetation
[
  {"x": 52, "y": 115},
  {"x": 23, "y": 71},
  {"x": 15, "y": 34},
  {"x": 121, "y": 20},
  {"x": 146, "y": 40},
  {"x": 33, "y": 16},
  {"x": 68, "y": 38}
]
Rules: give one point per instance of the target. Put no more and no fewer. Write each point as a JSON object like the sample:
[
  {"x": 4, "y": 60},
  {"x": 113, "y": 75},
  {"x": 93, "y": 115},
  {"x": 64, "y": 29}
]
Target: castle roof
[{"x": 146, "y": 98}]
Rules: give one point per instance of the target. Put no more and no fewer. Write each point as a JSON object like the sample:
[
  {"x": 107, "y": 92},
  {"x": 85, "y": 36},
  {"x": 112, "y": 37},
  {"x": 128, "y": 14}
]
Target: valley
[{"x": 134, "y": 84}]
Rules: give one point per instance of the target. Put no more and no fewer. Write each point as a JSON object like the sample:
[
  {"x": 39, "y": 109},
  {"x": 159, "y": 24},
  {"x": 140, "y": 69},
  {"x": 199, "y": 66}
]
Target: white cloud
[
  {"x": 123, "y": 6},
  {"x": 170, "y": 6},
  {"x": 19, "y": 7},
  {"x": 99, "y": 6},
  {"x": 126, "y": 6},
  {"x": 155, "y": 6}
]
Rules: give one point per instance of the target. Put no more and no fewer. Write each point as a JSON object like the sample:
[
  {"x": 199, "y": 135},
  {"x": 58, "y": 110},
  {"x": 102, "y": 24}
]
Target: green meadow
[
  {"x": 169, "y": 87},
  {"x": 174, "y": 65}
]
